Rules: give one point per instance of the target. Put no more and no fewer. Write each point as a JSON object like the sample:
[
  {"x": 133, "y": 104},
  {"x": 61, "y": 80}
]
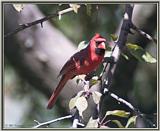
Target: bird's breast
[{"x": 88, "y": 65}]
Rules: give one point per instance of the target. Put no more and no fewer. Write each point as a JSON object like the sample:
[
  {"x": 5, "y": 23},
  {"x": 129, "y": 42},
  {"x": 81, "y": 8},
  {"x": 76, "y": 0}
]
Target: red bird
[{"x": 82, "y": 62}]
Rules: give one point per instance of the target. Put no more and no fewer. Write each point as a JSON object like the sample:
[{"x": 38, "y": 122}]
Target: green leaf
[
  {"x": 72, "y": 102},
  {"x": 114, "y": 37},
  {"x": 131, "y": 122},
  {"x": 82, "y": 45},
  {"x": 139, "y": 53},
  {"x": 93, "y": 81},
  {"x": 18, "y": 7},
  {"x": 96, "y": 96},
  {"x": 92, "y": 123},
  {"x": 81, "y": 104},
  {"x": 118, "y": 123},
  {"x": 119, "y": 113}
]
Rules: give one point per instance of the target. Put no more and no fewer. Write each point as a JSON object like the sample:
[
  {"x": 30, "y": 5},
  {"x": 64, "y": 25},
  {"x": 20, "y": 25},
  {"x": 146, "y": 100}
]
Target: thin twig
[
  {"x": 121, "y": 100},
  {"x": 52, "y": 121},
  {"x": 27, "y": 25},
  {"x": 144, "y": 34},
  {"x": 40, "y": 21}
]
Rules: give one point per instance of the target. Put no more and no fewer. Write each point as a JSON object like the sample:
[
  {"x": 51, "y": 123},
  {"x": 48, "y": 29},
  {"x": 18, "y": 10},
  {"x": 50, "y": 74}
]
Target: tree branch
[
  {"x": 126, "y": 27},
  {"x": 40, "y": 21},
  {"x": 52, "y": 121},
  {"x": 145, "y": 34},
  {"x": 119, "y": 44}
]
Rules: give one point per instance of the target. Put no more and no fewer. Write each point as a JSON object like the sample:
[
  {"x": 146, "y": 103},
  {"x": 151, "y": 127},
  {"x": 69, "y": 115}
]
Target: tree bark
[{"x": 37, "y": 53}]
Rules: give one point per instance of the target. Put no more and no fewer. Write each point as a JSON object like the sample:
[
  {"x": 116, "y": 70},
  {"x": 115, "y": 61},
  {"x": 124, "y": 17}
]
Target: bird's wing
[
  {"x": 76, "y": 60},
  {"x": 68, "y": 66}
]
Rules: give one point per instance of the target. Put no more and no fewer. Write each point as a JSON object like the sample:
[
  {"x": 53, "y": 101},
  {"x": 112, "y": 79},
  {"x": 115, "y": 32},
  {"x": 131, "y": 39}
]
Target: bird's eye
[{"x": 98, "y": 42}]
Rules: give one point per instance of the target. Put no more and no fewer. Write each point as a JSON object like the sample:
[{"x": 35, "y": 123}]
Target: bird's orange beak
[{"x": 102, "y": 45}]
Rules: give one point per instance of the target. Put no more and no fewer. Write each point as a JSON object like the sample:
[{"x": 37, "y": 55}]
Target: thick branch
[{"x": 119, "y": 44}]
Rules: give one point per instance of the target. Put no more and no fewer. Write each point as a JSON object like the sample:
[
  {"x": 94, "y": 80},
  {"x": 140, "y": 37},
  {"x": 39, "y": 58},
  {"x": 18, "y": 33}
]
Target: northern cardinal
[{"x": 82, "y": 62}]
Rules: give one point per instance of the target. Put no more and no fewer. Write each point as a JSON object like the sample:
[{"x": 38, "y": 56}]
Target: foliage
[
  {"x": 139, "y": 53},
  {"x": 131, "y": 122}
]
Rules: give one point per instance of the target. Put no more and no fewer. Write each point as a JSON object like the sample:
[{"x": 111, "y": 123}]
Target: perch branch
[{"x": 119, "y": 44}]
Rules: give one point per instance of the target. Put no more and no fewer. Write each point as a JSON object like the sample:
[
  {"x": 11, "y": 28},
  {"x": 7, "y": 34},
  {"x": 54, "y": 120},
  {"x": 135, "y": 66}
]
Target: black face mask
[{"x": 100, "y": 51}]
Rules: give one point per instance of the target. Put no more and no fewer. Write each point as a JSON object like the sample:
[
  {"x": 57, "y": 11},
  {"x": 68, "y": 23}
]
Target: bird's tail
[{"x": 55, "y": 94}]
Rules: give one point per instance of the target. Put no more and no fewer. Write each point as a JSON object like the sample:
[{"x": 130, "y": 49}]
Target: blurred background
[{"x": 34, "y": 57}]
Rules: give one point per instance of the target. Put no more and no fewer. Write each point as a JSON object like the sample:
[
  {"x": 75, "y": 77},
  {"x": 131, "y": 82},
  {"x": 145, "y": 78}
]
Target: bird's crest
[{"x": 97, "y": 35}]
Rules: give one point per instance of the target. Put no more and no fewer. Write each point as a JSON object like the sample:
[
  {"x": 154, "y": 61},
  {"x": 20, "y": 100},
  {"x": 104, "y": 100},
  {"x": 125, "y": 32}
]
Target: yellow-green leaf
[
  {"x": 131, "y": 122},
  {"x": 81, "y": 104},
  {"x": 96, "y": 96},
  {"x": 119, "y": 113},
  {"x": 139, "y": 53},
  {"x": 18, "y": 7},
  {"x": 92, "y": 123},
  {"x": 93, "y": 81},
  {"x": 114, "y": 37}
]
